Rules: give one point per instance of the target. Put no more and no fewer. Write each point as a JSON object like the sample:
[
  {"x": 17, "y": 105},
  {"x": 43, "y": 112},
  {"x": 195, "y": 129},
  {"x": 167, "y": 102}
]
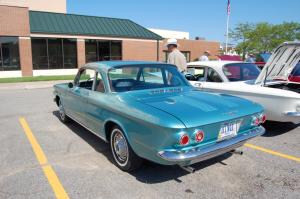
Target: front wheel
[
  {"x": 124, "y": 156},
  {"x": 62, "y": 114}
]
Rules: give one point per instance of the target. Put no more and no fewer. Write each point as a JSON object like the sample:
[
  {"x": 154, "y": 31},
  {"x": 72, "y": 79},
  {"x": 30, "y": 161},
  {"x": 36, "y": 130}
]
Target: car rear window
[
  {"x": 241, "y": 71},
  {"x": 141, "y": 77}
]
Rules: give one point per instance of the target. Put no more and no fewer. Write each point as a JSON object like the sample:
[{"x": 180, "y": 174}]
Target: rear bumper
[
  {"x": 293, "y": 114},
  {"x": 199, "y": 154}
]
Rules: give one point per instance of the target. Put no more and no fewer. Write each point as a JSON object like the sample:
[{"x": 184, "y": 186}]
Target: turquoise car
[{"x": 148, "y": 110}]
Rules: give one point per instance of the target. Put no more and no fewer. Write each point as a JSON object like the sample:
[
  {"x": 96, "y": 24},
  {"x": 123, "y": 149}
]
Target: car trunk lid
[
  {"x": 195, "y": 108},
  {"x": 281, "y": 63}
]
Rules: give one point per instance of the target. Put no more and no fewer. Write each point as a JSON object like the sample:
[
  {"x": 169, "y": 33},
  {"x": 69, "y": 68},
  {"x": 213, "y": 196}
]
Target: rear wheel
[
  {"x": 124, "y": 156},
  {"x": 62, "y": 114}
]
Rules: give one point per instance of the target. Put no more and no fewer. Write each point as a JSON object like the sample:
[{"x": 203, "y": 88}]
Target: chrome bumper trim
[
  {"x": 293, "y": 114},
  {"x": 198, "y": 154}
]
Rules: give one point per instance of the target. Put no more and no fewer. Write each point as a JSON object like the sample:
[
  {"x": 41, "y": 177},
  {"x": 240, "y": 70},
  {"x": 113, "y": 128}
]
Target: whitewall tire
[{"x": 123, "y": 155}]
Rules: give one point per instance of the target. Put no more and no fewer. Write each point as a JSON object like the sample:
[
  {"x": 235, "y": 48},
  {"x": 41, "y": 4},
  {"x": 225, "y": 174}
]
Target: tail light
[
  {"x": 184, "y": 140},
  {"x": 199, "y": 136},
  {"x": 258, "y": 119},
  {"x": 263, "y": 118},
  {"x": 255, "y": 121}
]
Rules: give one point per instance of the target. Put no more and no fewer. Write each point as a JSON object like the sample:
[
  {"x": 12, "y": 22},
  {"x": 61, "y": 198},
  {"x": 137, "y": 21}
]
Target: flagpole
[
  {"x": 227, "y": 26},
  {"x": 227, "y": 32}
]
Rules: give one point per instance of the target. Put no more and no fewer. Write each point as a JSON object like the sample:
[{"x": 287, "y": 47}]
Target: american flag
[{"x": 228, "y": 7}]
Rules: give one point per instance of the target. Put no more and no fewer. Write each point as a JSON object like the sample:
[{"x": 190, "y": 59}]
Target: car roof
[
  {"x": 106, "y": 65},
  {"x": 213, "y": 64}
]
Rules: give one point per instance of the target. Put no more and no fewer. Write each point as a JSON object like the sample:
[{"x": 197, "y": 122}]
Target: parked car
[
  {"x": 230, "y": 58},
  {"x": 295, "y": 74},
  {"x": 269, "y": 87},
  {"x": 148, "y": 110}
]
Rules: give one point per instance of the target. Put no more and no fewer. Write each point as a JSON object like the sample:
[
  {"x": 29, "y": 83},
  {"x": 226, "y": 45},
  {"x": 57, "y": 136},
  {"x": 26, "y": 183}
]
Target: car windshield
[
  {"x": 241, "y": 71},
  {"x": 141, "y": 77}
]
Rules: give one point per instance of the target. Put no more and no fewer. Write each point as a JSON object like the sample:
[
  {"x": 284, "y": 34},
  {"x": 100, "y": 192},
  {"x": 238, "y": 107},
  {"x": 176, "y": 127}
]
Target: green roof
[{"x": 71, "y": 24}]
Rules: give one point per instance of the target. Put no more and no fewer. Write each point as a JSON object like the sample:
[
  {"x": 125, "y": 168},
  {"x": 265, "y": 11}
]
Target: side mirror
[{"x": 70, "y": 85}]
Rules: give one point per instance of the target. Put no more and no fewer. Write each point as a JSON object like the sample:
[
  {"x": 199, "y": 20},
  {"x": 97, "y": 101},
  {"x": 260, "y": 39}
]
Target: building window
[
  {"x": 101, "y": 50},
  {"x": 187, "y": 55},
  {"x": 9, "y": 53},
  {"x": 70, "y": 53},
  {"x": 53, "y": 53}
]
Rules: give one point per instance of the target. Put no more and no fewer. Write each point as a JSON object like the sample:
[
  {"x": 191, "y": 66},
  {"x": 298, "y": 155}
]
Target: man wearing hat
[{"x": 176, "y": 57}]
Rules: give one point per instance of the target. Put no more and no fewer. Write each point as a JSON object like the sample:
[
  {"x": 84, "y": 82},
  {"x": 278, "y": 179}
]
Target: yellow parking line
[
  {"x": 53, "y": 180},
  {"x": 34, "y": 144},
  {"x": 273, "y": 152}
]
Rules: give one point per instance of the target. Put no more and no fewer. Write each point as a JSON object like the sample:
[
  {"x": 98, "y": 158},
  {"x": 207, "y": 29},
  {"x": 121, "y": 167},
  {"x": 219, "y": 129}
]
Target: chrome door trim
[{"x": 104, "y": 139}]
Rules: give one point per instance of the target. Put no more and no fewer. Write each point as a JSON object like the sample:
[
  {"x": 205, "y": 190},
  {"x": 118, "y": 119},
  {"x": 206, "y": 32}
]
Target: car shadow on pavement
[
  {"x": 149, "y": 172},
  {"x": 152, "y": 173},
  {"x": 94, "y": 141},
  {"x": 278, "y": 128}
]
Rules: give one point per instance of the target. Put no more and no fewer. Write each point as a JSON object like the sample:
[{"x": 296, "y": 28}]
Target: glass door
[
  {"x": 70, "y": 53},
  {"x": 104, "y": 50},
  {"x": 91, "y": 52},
  {"x": 116, "y": 50},
  {"x": 55, "y": 53},
  {"x": 39, "y": 54}
]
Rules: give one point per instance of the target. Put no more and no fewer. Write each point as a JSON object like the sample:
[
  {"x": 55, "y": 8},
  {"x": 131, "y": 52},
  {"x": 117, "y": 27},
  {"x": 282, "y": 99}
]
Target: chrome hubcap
[{"x": 120, "y": 146}]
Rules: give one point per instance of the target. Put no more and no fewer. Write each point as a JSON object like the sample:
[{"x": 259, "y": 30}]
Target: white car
[{"x": 269, "y": 87}]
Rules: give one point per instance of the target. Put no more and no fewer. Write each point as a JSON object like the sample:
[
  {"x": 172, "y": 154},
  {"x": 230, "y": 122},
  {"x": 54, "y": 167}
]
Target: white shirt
[
  {"x": 178, "y": 59},
  {"x": 203, "y": 58}
]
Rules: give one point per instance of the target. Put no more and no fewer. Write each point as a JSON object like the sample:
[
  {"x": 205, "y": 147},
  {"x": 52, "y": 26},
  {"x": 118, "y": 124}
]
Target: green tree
[
  {"x": 241, "y": 35},
  {"x": 285, "y": 32},
  {"x": 263, "y": 37}
]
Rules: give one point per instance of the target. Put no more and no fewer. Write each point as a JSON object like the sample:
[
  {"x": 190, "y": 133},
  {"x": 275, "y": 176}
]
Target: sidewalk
[{"x": 30, "y": 85}]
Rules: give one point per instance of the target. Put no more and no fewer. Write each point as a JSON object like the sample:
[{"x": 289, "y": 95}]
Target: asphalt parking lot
[{"x": 78, "y": 164}]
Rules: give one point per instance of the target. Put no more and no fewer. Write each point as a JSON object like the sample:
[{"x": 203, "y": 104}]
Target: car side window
[
  {"x": 153, "y": 76},
  {"x": 213, "y": 76},
  {"x": 122, "y": 79},
  {"x": 99, "y": 84},
  {"x": 197, "y": 72},
  {"x": 86, "y": 79}
]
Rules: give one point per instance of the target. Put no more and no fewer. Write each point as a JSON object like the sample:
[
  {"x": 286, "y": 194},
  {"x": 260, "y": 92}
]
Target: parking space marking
[
  {"x": 52, "y": 178},
  {"x": 273, "y": 152}
]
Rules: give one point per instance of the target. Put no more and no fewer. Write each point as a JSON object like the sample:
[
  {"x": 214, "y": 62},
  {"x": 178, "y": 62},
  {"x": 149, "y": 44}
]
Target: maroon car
[
  {"x": 230, "y": 58},
  {"x": 295, "y": 74}
]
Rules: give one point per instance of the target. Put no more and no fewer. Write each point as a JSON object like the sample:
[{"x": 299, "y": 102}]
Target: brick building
[{"x": 34, "y": 43}]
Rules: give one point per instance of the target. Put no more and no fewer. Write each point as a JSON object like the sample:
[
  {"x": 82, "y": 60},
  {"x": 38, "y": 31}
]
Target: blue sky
[{"x": 204, "y": 18}]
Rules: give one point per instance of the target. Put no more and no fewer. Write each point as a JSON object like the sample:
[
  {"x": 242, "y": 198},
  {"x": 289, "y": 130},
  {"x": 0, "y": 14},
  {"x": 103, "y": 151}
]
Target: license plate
[{"x": 228, "y": 130}]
